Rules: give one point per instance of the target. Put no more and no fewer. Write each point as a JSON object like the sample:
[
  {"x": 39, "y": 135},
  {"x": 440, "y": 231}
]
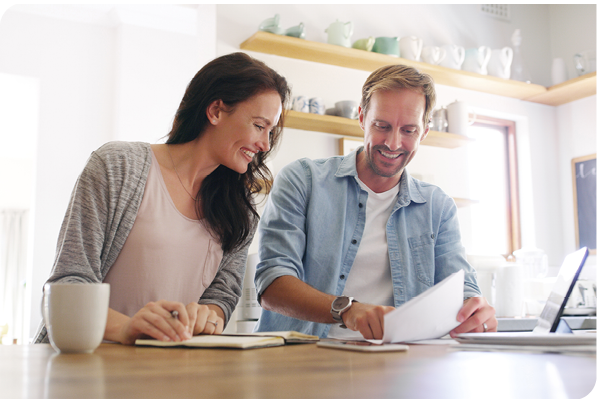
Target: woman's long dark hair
[{"x": 226, "y": 198}]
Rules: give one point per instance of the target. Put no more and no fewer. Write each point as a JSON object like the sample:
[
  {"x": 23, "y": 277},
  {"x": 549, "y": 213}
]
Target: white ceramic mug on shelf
[
  {"x": 410, "y": 47},
  {"x": 316, "y": 105},
  {"x": 559, "y": 71},
  {"x": 458, "y": 117},
  {"x": 75, "y": 315},
  {"x": 433, "y": 54},
  {"x": 500, "y": 62},
  {"x": 585, "y": 62},
  {"x": 455, "y": 56},
  {"x": 301, "y": 103},
  {"x": 347, "y": 109},
  {"x": 476, "y": 60}
]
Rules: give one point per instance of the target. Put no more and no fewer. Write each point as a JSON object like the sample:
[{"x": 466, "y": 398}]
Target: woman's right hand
[{"x": 156, "y": 321}]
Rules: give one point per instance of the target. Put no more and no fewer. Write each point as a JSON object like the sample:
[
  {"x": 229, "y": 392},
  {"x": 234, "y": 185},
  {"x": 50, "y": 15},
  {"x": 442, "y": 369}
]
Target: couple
[{"x": 174, "y": 221}]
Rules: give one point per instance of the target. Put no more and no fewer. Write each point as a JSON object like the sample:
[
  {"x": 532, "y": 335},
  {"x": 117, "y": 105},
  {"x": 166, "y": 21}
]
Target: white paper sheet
[{"x": 430, "y": 315}]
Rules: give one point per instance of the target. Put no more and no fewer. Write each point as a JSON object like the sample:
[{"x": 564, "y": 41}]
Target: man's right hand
[{"x": 366, "y": 319}]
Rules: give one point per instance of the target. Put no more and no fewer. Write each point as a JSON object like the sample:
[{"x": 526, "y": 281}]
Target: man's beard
[{"x": 373, "y": 165}]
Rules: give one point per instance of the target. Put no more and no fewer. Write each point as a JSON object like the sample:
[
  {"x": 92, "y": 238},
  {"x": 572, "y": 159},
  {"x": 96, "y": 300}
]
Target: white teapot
[
  {"x": 410, "y": 47},
  {"x": 500, "y": 62},
  {"x": 476, "y": 60},
  {"x": 339, "y": 33}
]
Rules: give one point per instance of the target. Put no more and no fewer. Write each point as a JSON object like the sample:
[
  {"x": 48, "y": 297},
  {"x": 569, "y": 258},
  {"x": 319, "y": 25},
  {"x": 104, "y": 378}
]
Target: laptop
[{"x": 549, "y": 330}]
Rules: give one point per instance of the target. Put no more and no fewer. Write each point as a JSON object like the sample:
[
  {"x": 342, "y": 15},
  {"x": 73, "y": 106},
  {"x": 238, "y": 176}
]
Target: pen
[{"x": 175, "y": 314}]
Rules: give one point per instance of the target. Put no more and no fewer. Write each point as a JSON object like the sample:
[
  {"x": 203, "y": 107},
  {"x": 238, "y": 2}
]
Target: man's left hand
[{"x": 476, "y": 315}]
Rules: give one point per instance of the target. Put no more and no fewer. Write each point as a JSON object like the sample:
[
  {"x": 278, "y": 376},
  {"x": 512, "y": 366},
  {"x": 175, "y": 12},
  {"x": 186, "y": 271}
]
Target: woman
[{"x": 174, "y": 221}]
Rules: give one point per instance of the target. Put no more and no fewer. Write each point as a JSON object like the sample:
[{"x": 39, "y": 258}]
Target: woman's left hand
[{"x": 204, "y": 320}]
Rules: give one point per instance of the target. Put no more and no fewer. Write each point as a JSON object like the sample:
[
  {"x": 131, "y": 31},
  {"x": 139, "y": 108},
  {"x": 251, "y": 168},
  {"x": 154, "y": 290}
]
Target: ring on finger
[
  {"x": 485, "y": 327},
  {"x": 214, "y": 322}
]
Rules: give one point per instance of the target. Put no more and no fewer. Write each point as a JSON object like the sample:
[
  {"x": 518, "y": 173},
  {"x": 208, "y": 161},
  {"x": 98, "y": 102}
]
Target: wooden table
[{"x": 294, "y": 371}]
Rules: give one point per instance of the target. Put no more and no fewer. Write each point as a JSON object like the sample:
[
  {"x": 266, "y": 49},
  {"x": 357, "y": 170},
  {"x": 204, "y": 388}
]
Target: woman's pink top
[{"x": 166, "y": 256}]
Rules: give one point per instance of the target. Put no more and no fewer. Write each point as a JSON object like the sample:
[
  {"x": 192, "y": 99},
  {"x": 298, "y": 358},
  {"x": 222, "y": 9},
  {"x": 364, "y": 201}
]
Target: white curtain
[{"x": 13, "y": 271}]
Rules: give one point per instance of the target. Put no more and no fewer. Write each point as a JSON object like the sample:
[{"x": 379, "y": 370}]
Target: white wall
[
  {"x": 19, "y": 105},
  {"x": 75, "y": 75},
  {"x": 107, "y": 73},
  {"x": 573, "y": 30},
  {"x": 577, "y": 122}
]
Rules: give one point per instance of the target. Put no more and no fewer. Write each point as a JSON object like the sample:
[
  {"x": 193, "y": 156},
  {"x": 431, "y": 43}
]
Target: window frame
[{"x": 513, "y": 208}]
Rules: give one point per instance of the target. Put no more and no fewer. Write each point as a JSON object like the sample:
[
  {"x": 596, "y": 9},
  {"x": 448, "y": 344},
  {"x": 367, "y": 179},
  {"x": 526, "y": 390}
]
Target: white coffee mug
[
  {"x": 559, "y": 71},
  {"x": 458, "y": 117},
  {"x": 300, "y": 103},
  {"x": 433, "y": 54},
  {"x": 455, "y": 56},
  {"x": 75, "y": 315}
]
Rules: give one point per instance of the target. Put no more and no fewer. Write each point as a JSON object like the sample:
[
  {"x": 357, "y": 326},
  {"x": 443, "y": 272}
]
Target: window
[{"x": 494, "y": 219}]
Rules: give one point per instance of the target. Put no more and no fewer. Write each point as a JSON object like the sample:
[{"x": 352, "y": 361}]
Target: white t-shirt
[{"x": 370, "y": 278}]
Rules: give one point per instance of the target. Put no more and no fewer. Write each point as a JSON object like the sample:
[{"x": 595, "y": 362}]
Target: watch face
[{"x": 340, "y": 303}]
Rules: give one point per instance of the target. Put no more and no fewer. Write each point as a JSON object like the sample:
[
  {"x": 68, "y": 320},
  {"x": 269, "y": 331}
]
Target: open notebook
[
  {"x": 236, "y": 341},
  {"x": 546, "y": 331}
]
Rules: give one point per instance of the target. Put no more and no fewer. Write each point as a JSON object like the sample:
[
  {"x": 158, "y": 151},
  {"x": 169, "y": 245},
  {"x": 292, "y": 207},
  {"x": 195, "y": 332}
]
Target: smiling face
[
  {"x": 241, "y": 133},
  {"x": 393, "y": 129}
]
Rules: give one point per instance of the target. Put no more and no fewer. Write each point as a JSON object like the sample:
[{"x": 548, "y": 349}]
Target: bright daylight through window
[{"x": 494, "y": 188}]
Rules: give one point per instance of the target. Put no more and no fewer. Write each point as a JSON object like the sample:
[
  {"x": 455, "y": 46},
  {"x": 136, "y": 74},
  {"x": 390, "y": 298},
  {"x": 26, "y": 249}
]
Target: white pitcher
[
  {"x": 455, "y": 56},
  {"x": 410, "y": 47},
  {"x": 500, "y": 62},
  {"x": 339, "y": 33},
  {"x": 433, "y": 54},
  {"x": 476, "y": 60}
]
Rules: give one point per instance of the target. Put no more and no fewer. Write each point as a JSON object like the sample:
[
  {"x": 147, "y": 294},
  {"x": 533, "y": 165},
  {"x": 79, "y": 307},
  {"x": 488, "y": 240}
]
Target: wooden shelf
[
  {"x": 566, "y": 92},
  {"x": 326, "y": 53},
  {"x": 350, "y": 127}
]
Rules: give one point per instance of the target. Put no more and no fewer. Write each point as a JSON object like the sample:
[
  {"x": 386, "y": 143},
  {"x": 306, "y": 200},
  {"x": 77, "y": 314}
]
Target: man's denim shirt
[{"x": 313, "y": 223}]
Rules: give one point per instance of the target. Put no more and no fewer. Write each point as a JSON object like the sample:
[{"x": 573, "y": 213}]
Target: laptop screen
[{"x": 565, "y": 281}]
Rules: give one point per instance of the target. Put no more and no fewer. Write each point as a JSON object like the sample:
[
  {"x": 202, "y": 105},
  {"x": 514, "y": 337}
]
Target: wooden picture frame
[
  {"x": 349, "y": 144},
  {"x": 584, "y": 201}
]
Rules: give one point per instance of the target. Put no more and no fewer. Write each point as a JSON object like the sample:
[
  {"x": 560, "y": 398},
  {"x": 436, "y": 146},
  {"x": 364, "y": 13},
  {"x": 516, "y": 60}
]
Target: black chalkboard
[{"x": 584, "y": 200}]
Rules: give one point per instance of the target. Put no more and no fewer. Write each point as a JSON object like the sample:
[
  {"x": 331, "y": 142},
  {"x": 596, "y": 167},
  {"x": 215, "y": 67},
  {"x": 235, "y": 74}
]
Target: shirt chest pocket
[
  {"x": 214, "y": 255},
  {"x": 423, "y": 257}
]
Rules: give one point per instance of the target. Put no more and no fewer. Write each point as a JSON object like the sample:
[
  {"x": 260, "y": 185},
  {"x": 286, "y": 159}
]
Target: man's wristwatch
[{"x": 339, "y": 306}]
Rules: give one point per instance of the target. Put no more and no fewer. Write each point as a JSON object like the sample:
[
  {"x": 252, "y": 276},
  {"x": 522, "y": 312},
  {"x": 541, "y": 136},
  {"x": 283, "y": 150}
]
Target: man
[{"x": 344, "y": 240}]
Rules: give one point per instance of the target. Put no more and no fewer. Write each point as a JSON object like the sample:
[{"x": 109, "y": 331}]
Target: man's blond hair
[{"x": 392, "y": 77}]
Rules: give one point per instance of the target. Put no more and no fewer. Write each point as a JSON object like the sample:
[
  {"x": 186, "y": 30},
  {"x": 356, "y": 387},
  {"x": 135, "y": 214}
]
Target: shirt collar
[{"x": 409, "y": 190}]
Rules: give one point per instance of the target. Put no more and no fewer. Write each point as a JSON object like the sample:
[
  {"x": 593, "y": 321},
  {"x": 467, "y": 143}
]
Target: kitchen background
[{"x": 73, "y": 77}]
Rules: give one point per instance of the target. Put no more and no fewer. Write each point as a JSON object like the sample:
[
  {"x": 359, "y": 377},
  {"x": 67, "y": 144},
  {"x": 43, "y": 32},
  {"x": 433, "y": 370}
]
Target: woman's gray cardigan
[{"x": 100, "y": 215}]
